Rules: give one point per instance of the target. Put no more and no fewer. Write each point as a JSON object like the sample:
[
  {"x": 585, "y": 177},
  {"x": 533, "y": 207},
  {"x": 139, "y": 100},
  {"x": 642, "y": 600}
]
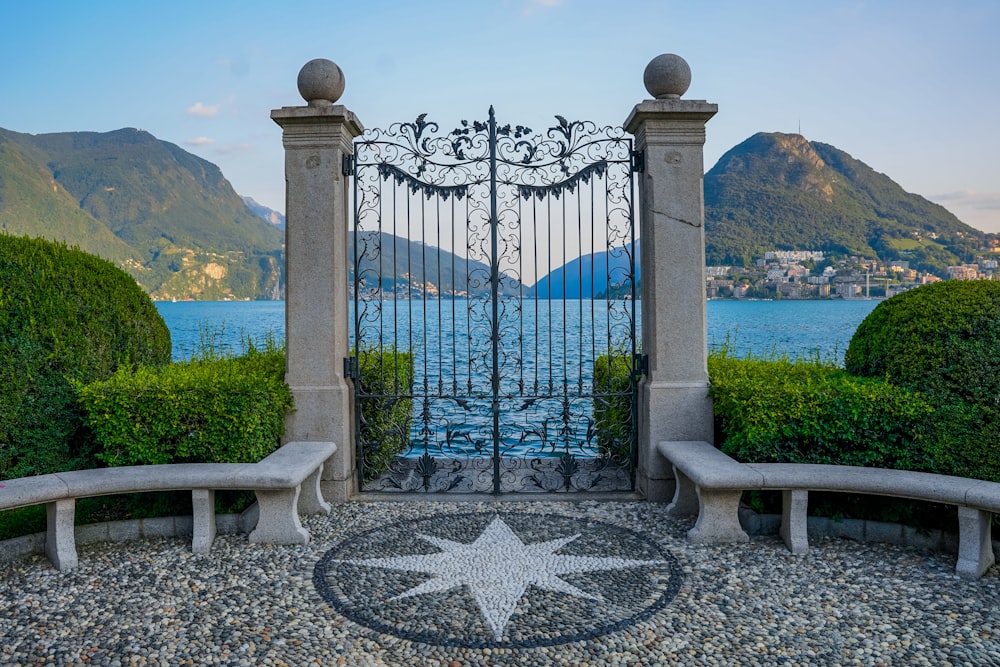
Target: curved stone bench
[
  {"x": 710, "y": 483},
  {"x": 287, "y": 483}
]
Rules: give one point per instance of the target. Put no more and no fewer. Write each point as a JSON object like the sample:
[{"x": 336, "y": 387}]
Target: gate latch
[{"x": 351, "y": 368}]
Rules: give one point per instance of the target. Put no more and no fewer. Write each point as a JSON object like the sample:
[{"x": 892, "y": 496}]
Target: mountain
[
  {"x": 32, "y": 202},
  {"x": 409, "y": 268},
  {"x": 167, "y": 217},
  {"x": 269, "y": 214},
  {"x": 781, "y": 192},
  {"x": 590, "y": 275}
]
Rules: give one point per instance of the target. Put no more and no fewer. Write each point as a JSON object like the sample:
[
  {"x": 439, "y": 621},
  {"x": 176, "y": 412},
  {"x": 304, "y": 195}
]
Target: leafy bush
[
  {"x": 812, "y": 412},
  {"x": 613, "y": 419},
  {"x": 962, "y": 439},
  {"x": 385, "y": 387},
  {"x": 226, "y": 410},
  {"x": 942, "y": 339},
  {"x": 65, "y": 316}
]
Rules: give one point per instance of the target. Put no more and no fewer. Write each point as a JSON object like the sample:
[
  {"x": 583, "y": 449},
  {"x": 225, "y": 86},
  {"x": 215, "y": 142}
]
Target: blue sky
[{"x": 912, "y": 88}]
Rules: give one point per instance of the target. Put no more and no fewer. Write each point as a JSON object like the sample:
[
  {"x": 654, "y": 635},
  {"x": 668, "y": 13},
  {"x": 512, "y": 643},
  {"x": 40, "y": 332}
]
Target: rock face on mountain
[
  {"x": 167, "y": 217},
  {"x": 274, "y": 217},
  {"x": 781, "y": 192}
]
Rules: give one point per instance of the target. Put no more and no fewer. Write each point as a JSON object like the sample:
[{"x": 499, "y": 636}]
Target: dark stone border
[{"x": 366, "y": 608}]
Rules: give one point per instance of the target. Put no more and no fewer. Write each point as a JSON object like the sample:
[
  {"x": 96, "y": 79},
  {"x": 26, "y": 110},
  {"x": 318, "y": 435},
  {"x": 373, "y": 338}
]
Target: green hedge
[
  {"x": 65, "y": 316},
  {"x": 386, "y": 408},
  {"x": 613, "y": 406},
  {"x": 811, "y": 412},
  {"x": 209, "y": 410}
]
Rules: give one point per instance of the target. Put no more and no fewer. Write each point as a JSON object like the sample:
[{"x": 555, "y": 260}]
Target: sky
[{"x": 910, "y": 87}]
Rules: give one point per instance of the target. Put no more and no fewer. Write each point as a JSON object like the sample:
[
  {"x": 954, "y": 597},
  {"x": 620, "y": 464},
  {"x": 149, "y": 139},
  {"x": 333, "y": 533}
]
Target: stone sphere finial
[
  {"x": 667, "y": 76},
  {"x": 321, "y": 82}
]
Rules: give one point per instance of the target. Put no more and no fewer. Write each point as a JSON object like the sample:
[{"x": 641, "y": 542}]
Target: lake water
[
  {"x": 797, "y": 328},
  {"x": 546, "y": 366}
]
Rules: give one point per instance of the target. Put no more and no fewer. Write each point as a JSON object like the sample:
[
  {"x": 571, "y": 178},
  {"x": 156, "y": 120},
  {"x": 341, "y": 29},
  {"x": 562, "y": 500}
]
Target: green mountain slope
[
  {"x": 409, "y": 268},
  {"x": 780, "y": 192},
  {"x": 182, "y": 230},
  {"x": 32, "y": 203}
]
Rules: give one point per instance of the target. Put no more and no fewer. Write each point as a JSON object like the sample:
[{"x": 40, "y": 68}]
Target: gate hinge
[
  {"x": 351, "y": 368},
  {"x": 638, "y": 161},
  {"x": 641, "y": 364},
  {"x": 348, "y": 165}
]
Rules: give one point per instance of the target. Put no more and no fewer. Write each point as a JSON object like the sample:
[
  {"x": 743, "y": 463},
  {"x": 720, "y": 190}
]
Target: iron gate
[{"x": 494, "y": 284}]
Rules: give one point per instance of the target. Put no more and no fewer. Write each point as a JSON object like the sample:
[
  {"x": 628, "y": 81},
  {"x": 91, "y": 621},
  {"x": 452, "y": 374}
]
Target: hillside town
[{"x": 804, "y": 274}]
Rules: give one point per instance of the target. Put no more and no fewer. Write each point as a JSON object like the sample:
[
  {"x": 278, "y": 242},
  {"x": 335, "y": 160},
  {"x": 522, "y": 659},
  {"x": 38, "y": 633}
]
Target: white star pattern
[{"x": 498, "y": 568}]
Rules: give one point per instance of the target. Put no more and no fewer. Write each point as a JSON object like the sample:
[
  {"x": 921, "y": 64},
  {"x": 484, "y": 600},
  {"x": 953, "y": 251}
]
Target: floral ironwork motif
[{"x": 506, "y": 393}]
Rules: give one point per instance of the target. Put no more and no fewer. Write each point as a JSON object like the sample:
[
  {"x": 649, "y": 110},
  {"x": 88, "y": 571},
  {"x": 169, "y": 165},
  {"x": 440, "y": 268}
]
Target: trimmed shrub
[
  {"x": 386, "y": 384},
  {"x": 942, "y": 339},
  {"x": 210, "y": 410},
  {"x": 65, "y": 317},
  {"x": 612, "y": 402},
  {"x": 781, "y": 411}
]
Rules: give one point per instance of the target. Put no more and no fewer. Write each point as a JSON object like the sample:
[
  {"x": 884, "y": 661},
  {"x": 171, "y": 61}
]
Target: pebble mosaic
[{"x": 498, "y": 579}]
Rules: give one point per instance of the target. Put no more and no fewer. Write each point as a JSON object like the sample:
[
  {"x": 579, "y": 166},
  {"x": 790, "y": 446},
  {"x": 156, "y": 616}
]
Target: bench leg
[
  {"x": 685, "y": 501},
  {"x": 278, "y": 521},
  {"x": 60, "y": 540},
  {"x": 203, "y": 519},
  {"x": 795, "y": 520},
  {"x": 975, "y": 548},
  {"x": 718, "y": 518},
  {"x": 311, "y": 499}
]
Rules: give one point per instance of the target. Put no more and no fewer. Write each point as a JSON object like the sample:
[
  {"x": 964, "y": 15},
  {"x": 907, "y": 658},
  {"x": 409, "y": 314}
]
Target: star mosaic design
[
  {"x": 498, "y": 568},
  {"x": 505, "y": 579}
]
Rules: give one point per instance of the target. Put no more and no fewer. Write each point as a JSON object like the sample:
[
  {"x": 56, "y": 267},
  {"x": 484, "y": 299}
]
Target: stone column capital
[
  {"x": 316, "y": 127},
  {"x": 670, "y": 121}
]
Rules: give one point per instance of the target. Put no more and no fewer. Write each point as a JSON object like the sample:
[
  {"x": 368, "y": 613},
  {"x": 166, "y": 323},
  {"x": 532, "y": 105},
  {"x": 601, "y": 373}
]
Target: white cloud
[
  {"x": 234, "y": 149},
  {"x": 978, "y": 209},
  {"x": 237, "y": 66},
  {"x": 532, "y": 6},
  {"x": 202, "y": 110},
  {"x": 199, "y": 141},
  {"x": 981, "y": 201}
]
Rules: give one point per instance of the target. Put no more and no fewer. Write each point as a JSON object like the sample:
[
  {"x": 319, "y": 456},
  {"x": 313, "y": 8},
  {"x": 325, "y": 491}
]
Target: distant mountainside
[
  {"x": 410, "y": 268},
  {"x": 167, "y": 217},
  {"x": 590, "y": 275},
  {"x": 174, "y": 222},
  {"x": 269, "y": 214},
  {"x": 780, "y": 192}
]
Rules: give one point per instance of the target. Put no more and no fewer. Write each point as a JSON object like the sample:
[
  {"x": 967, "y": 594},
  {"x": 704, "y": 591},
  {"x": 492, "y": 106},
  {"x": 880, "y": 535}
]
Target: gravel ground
[{"x": 155, "y": 603}]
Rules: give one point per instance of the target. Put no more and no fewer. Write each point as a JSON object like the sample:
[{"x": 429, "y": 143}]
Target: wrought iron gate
[{"x": 494, "y": 284}]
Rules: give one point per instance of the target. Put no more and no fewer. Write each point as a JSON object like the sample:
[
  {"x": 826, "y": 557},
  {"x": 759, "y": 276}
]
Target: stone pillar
[
  {"x": 674, "y": 403},
  {"x": 316, "y": 139}
]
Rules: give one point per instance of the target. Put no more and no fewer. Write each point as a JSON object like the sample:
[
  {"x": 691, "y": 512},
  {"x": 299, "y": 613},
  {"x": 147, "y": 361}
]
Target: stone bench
[
  {"x": 287, "y": 483},
  {"x": 710, "y": 483}
]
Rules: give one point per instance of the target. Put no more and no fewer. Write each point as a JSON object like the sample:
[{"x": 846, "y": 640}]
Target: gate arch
[{"x": 494, "y": 284}]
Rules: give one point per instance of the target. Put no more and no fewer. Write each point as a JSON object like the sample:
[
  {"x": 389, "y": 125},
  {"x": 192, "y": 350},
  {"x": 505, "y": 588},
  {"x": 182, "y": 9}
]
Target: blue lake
[
  {"x": 548, "y": 350},
  {"x": 797, "y": 328}
]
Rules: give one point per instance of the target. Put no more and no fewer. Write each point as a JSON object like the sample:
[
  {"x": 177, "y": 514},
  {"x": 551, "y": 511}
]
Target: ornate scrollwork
[{"x": 504, "y": 394}]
